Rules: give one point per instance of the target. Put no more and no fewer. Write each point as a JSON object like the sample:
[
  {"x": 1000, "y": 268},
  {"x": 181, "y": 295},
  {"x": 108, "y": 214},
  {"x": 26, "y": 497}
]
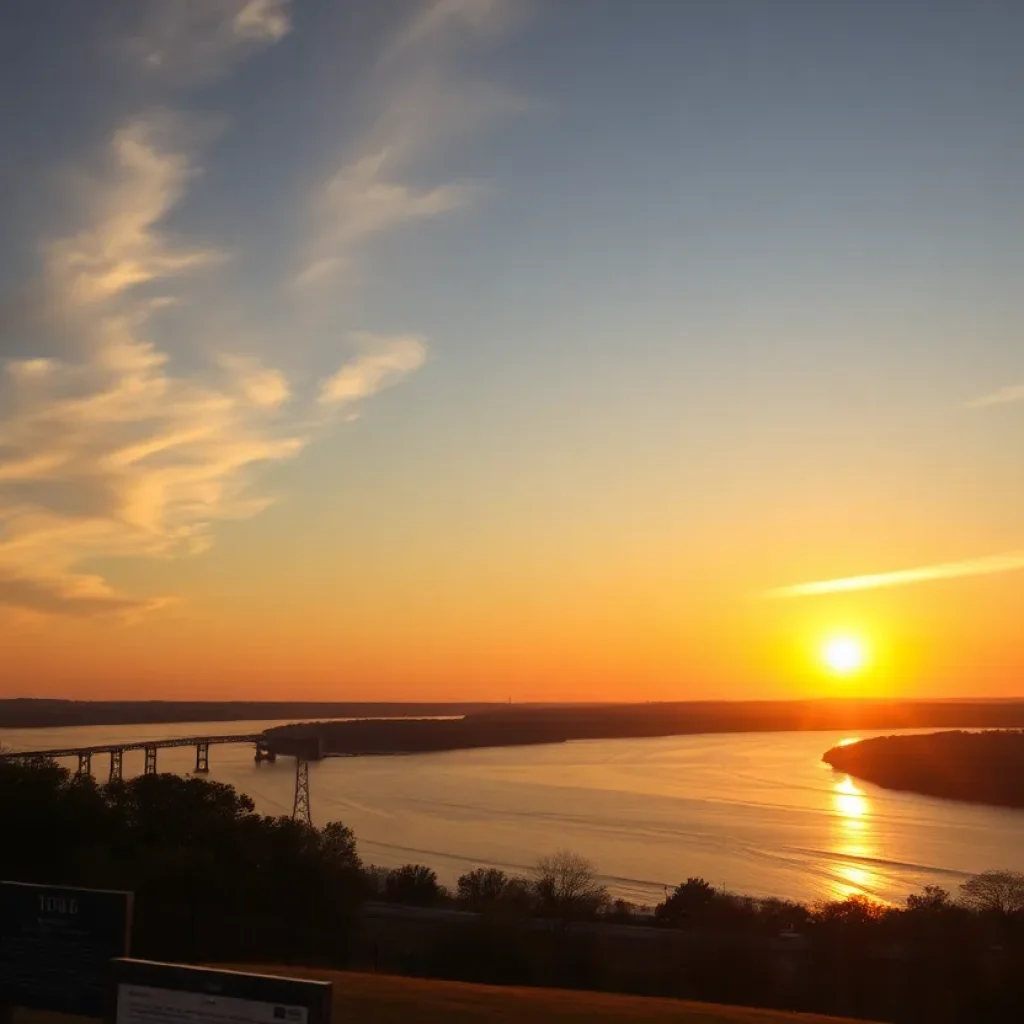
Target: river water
[{"x": 756, "y": 813}]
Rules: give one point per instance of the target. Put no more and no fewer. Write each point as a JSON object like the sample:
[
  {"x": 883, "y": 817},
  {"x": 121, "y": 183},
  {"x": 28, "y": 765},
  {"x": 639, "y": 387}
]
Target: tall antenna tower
[{"x": 300, "y": 809}]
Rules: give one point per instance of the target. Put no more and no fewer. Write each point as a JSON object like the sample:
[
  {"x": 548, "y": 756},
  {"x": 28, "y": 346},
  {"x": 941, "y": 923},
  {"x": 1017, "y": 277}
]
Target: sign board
[
  {"x": 56, "y": 945},
  {"x": 145, "y": 992}
]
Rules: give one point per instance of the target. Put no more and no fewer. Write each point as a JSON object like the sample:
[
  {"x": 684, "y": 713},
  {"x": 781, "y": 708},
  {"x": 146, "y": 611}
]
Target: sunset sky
[{"x": 476, "y": 349}]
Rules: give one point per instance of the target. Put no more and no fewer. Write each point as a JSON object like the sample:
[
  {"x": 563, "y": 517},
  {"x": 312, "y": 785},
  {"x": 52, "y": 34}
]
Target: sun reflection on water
[
  {"x": 850, "y": 802},
  {"x": 853, "y": 839}
]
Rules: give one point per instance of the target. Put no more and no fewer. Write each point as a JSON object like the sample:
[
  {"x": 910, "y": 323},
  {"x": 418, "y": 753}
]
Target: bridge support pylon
[
  {"x": 300, "y": 809},
  {"x": 151, "y": 760},
  {"x": 202, "y": 757},
  {"x": 116, "y": 764},
  {"x": 264, "y": 753},
  {"x": 85, "y": 763}
]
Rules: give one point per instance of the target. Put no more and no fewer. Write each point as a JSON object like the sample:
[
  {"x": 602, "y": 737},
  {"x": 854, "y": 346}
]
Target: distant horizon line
[{"x": 505, "y": 703}]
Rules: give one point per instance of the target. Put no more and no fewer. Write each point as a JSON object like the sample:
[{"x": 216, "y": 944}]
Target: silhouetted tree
[
  {"x": 929, "y": 900},
  {"x": 375, "y": 880},
  {"x": 686, "y": 902},
  {"x": 999, "y": 892},
  {"x": 339, "y": 845},
  {"x": 566, "y": 886},
  {"x": 776, "y": 915},
  {"x": 621, "y": 912},
  {"x": 854, "y": 911},
  {"x": 482, "y": 889},
  {"x": 208, "y": 873},
  {"x": 519, "y": 896},
  {"x": 413, "y": 884}
]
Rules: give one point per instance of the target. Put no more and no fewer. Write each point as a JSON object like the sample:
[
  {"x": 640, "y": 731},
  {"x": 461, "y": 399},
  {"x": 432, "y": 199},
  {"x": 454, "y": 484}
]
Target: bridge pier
[
  {"x": 202, "y": 757},
  {"x": 151, "y": 760},
  {"x": 116, "y": 763},
  {"x": 84, "y": 763},
  {"x": 264, "y": 753}
]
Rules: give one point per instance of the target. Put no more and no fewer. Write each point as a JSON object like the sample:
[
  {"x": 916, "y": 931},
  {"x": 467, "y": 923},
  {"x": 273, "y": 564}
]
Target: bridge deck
[{"x": 106, "y": 748}]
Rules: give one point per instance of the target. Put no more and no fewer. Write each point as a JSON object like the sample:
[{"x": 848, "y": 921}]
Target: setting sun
[{"x": 844, "y": 655}]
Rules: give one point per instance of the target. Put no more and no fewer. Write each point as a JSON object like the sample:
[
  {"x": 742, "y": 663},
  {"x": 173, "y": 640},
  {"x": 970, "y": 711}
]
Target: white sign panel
[{"x": 143, "y": 1004}]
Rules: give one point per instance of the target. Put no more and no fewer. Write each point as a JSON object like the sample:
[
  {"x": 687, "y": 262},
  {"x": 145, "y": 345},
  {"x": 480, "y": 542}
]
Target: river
[{"x": 755, "y": 813}]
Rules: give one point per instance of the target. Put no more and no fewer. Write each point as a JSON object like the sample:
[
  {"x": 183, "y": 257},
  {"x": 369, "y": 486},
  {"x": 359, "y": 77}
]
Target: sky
[{"x": 511, "y": 349}]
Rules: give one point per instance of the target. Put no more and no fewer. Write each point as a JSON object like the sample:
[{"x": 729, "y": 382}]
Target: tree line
[{"x": 216, "y": 881}]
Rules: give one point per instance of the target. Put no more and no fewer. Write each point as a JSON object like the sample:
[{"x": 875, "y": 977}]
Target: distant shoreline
[
  {"x": 514, "y": 727},
  {"x": 35, "y": 713},
  {"x": 423, "y": 727}
]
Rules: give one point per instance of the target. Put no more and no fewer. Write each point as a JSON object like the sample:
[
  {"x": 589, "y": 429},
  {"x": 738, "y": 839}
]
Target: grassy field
[{"x": 386, "y": 999}]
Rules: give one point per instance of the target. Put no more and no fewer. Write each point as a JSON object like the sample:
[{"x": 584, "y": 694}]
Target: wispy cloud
[
  {"x": 185, "y": 41},
  {"x": 424, "y": 103},
  {"x": 121, "y": 245},
  {"x": 360, "y": 204},
  {"x": 114, "y": 456},
  {"x": 258, "y": 385},
  {"x": 105, "y": 452},
  {"x": 385, "y": 360},
  {"x": 113, "y": 446},
  {"x": 438, "y": 24},
  {"x": 1003, "y": 396},
  {"x": 989, "y": 565}
]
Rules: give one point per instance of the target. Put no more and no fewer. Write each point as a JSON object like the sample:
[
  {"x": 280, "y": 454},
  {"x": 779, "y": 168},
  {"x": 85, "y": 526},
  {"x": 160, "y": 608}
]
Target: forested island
[
  {"x": 517, "y": 726},
  {"x": 979, "y": 767}
]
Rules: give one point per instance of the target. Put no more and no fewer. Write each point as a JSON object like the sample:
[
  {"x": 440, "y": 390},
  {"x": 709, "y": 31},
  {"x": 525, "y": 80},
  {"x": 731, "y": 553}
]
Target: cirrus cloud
[
  {"x": 383, "y": 363},
  {"x": 988, "y": 565},
  {"x": 121, "y": 245},
  {"x": 122, "y": 444},
  {"x": 114, "y": 457},
  {"x": 1002, "y": 396},
  {"x": 191, "y": 41},
  {"x": 423, "y": 103}
]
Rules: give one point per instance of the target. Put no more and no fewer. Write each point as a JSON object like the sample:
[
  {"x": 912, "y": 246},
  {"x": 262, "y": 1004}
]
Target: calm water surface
[{"x": 756, "y": 813}]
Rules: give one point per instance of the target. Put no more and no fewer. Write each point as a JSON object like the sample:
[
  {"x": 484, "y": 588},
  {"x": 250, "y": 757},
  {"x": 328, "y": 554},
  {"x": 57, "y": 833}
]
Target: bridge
[
  {"x": 116, "y": 752},
  {"x": 202, "y": 744}
]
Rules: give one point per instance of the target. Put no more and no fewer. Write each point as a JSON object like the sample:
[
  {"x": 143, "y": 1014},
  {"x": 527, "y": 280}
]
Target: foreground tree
[
  {"x": 567, "y": 887},
  {"x": 413, "y": 884},
  {"x": 930, "y": 900},
  {"x": 338, "y": 843},
  {"x": 1000, "y": 892},
  {"x": 481, "y": 890},
  {"x": 687, "y": 902},
  {"x": 208, "y": 873}
]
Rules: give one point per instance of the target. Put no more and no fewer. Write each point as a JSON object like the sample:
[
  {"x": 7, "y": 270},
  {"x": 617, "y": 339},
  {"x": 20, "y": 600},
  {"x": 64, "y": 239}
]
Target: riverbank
[
  {"x": 525, "y": 726},
  {"x": 978, "y": 767}
]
